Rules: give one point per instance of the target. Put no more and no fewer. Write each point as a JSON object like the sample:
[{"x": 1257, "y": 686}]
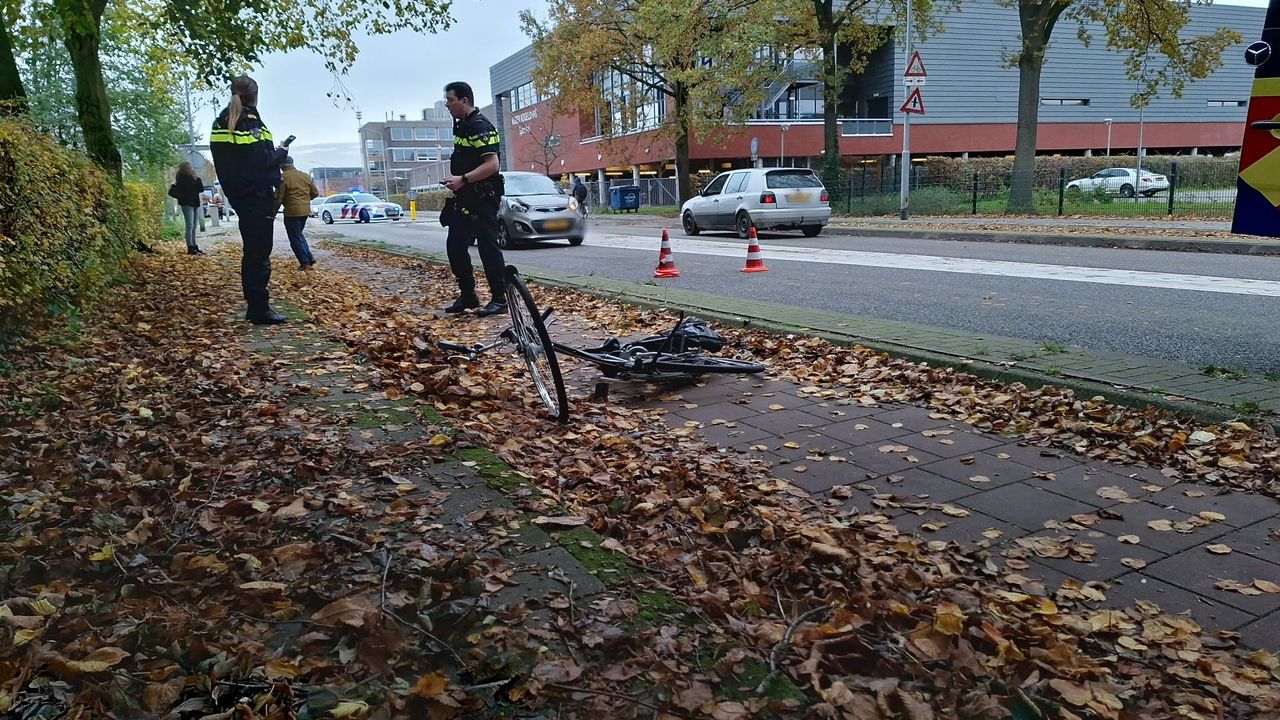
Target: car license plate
[
  {"x": 800, "y": 197},
  {"x": 556, "y": 225}
]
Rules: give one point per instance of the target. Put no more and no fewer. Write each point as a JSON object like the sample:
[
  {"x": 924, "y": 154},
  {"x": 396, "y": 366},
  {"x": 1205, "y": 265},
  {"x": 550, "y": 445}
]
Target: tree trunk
[
  {"x": 1021, "y": 185},
  {"x": 13, "y": 97},
  {"x": 81, "y": 30},
  {"x": 684, "y": 186},
  {"x": 831, "y": 166}
]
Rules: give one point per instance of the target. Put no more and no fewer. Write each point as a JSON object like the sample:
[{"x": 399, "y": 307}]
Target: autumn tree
[
  {"x": 1147, "y": 33},
  {"x": 13, "y": 96},
  {"x": 860, "y": 27},
  {"x": 546, "y": 148},
  {"x": 684, "y": 68}
]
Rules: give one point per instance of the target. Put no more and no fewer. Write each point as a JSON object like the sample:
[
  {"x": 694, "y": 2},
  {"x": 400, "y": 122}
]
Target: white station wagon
[{"x": 766, "y": 198}]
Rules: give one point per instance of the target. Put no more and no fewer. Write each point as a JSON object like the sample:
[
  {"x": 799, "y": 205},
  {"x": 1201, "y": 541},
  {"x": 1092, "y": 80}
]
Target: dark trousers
[
  {"x": 298, "y": 241},
  {"x": 483, "y": 227},
  {"x": 257, "y": 223}
]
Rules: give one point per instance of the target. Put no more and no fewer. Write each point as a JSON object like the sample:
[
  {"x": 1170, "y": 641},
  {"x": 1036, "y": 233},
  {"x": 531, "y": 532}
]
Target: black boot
[
  {"x": 493, "y": 308},
  {"x": 269, "y": 317},
  {"x": 465, "y": 301}
]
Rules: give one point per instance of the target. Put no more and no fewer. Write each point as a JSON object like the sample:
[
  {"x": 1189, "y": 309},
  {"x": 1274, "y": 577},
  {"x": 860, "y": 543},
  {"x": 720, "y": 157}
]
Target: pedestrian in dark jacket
[
  {"x": 580, "y": 194},
  {"x": 187, "y": 189},
  {"x": 248, "y": 163}
]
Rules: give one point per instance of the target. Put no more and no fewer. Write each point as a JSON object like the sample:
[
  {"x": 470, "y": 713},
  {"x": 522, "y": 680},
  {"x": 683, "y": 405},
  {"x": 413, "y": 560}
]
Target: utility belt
[{"x": 482, "y": 195}]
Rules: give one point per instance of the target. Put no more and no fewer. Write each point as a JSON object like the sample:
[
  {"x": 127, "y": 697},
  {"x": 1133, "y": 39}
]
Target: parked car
[
  {"x": 534, "y": 208},
  {"x": 764, "y": 198},
  {"x": 1121, "y": 181},
  {"x": 357, "y": 207},
  {"x": 315, "y": 206}
]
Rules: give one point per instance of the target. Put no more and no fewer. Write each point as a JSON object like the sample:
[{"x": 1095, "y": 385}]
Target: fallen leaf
[
  {"x": 1218, "y": 549},
  {"x": 1111, "y": 492},
  {"x": 1074, "y": 694},
  {"x": 561, "y": 520},
  {"x": 99, "y": 660},
  {"x": 1266, "y": 586},
  {"x": 1133, "y": 563},
  {"x": 1161, "y": 525},
  {"x": 1131, "y": 539},
  {"x": 431, "y": 686},
  {"x": 979, "y": 479},
  {"x": 350, "y": 612}
]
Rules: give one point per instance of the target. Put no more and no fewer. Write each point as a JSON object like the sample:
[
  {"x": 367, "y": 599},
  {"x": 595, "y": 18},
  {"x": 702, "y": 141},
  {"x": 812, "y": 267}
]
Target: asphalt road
[{"x": 1127, "y": 301}]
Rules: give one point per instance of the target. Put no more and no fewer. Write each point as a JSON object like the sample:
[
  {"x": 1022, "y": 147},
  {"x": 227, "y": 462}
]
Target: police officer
[
  {"x": 477, "y": 189},
  {"x": 248, "y": 165}
]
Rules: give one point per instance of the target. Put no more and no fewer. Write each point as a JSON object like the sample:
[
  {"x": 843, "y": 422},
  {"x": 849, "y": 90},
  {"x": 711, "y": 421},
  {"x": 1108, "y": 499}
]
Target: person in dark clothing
[
  {"x": 248, "y": 165},
  {"x": 187, "y": 189},
  {"x": 580, "y": 194},
  {"x": 477, "y": 189}
]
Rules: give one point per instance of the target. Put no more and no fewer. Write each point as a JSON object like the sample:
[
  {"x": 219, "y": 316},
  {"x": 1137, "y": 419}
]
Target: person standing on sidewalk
[
  {"x": 477, "y": 190},
  {"x": 296, "y": 192},
  {"x": 580, "y": 194},
  {"x": 188, "y": 189},
  {"x": 248, "y": 165}
]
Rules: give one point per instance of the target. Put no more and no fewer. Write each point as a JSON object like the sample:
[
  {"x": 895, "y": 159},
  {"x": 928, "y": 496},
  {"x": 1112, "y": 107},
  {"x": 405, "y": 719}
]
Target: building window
[
  {"x": 526, "y": 95},
  {"x": 401, "y": 133},
  {"x": 634, "y": 101},
  {"x": 446, "y": 134},
  {"x": 1064, "y": 101},
  {"x": 373, "y": 146},
  {"x": 427, "y": 154},
  {"x": 424, "y": 133},
  {"x": 401, "y": 154},
  {"x": 446, "y": 153},
  {"x": 1226, "y": 103}
]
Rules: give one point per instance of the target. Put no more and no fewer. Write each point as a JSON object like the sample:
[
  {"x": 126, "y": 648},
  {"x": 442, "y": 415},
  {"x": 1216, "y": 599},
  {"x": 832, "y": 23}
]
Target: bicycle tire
[
  {"x": 698, "y": 364},
  {"x": 535, "y": 346}
]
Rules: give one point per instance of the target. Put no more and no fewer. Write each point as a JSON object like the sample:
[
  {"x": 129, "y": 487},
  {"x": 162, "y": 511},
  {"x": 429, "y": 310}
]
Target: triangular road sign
[
  {"x": 915, "y": 68},
  {"x": 914, "y": 103}
]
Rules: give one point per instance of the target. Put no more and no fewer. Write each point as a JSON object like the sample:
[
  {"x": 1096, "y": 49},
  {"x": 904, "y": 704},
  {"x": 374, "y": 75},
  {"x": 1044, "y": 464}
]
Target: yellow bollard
[{"x": 413, "y": 211}]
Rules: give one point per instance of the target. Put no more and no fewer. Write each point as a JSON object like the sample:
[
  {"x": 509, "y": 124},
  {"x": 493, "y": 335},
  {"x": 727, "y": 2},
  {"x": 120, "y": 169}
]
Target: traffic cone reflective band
[
  {"x": 755, "y": 263},
  {"x": 666, "y": 266}
]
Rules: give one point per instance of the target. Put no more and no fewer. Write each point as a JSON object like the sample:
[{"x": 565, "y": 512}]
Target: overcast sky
[{"x": 400, "y": 73}]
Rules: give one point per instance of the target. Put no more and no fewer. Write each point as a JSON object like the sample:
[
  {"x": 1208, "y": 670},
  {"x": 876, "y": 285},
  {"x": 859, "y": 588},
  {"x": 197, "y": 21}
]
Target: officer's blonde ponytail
[{"x": 244, "y": 91}]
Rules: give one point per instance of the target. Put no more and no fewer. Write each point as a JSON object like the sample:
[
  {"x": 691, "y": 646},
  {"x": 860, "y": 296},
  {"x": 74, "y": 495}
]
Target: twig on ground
[
  {"x": 606, "y": 693},
  {"x": 382, "y": 605},
  {"x": 774, "y": 671},
  {"x": 195, "y": 514}
]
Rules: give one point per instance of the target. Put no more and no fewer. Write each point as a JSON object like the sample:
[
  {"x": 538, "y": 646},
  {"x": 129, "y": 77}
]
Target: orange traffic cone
[
  {"x": 666, "y": 266},
  {"x": 755, "y": 263}
]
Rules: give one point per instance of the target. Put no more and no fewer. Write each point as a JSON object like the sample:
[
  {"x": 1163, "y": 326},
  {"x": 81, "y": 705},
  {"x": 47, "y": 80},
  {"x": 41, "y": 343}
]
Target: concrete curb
[{"x": 1128, "y": 397}]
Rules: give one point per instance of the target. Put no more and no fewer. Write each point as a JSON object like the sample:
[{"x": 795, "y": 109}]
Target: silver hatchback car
[
  {"x": 764, "y": 198},
  {"x": 534, "y": 208}
]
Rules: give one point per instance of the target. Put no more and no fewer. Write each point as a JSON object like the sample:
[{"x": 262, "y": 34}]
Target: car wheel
[
  {"x": 1148, "y": 193},
  {"x": 811, "y": 230},
  {"x": 504, "y": 239},
  {"x": 1126, "y": 190},
  {"x": 688, "y": 223},
  {"x": 743, "y": 223},
  {"x": 575, "y": 241},
  {"x": 327, "y": 217}
]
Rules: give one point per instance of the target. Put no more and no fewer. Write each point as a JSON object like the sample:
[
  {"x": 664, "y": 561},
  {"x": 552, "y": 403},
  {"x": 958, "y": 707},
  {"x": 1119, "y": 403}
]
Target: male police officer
[{"x": 477, "y": 189}]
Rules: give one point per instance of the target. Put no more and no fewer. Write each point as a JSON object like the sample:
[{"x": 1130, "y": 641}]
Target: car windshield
[
  {"x": 529, "y": 185},
  {"x": 366, "y": 197},
  {"x": 791, "y": 179}
]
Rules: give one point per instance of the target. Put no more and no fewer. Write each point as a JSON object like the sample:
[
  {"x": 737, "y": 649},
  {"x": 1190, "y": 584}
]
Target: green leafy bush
[
  {"x": 65, "y": 229},
  {"x": 429, "y": 200}
]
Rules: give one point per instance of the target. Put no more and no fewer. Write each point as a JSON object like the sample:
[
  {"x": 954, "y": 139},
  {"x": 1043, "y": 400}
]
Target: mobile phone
[{"x": 288, "y": 140}]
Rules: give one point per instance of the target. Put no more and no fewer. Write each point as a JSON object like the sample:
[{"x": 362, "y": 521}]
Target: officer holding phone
[{"x": 248, "y": 164}]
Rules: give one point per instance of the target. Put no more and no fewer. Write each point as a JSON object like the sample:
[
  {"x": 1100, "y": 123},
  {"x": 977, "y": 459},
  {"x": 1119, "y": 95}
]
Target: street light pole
[
  {"x": 1108, "y": 122},
  {"x": 784, "y": 127}
]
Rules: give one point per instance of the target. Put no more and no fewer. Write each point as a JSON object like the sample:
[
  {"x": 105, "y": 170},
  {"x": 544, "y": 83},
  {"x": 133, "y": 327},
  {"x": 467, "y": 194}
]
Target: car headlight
[
  {"x": 517, "y": 206},
  {"x": 573, "y": 203}
]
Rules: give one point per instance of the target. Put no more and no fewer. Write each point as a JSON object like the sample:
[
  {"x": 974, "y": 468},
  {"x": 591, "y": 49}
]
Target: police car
[{"x": 357, "y": 207}]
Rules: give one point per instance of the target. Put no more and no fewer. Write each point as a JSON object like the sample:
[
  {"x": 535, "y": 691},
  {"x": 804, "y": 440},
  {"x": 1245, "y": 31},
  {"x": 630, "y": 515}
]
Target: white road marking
[{"x": 1068, "y": 273}]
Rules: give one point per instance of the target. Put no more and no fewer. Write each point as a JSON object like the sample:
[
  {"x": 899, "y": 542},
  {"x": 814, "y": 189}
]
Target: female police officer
[{"x": 248, "y": 165}]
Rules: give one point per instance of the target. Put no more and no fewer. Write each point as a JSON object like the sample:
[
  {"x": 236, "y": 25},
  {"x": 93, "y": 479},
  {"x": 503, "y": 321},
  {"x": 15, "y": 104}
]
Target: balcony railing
[{"x": 866, "y": 126}]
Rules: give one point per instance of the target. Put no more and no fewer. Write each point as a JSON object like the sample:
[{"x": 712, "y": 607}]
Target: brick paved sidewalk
[{"x": 1050, "y": 517}]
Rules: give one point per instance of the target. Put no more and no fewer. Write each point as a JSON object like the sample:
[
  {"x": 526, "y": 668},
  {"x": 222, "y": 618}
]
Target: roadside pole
[{"x": 913, "y": 77}]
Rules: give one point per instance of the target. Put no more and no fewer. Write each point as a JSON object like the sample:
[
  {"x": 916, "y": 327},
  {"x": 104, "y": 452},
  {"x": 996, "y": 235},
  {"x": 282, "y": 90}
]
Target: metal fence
[{"x": 1188, "y": 187}]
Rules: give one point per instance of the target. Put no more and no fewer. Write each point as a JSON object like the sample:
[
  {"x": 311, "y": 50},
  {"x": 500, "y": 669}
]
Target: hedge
[
  {"x": 428, "y": 200},
  {"x": 996, "y": 174},
  {"x": 65, "y": 229}
]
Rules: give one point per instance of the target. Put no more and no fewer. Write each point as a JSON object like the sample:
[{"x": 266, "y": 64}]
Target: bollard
[
  {"x": 975, "y": 192},
  {"x": 413, "y": 211},
  {"x": 1173, "y": 184},
  {"x": 1062, "y": 188}
]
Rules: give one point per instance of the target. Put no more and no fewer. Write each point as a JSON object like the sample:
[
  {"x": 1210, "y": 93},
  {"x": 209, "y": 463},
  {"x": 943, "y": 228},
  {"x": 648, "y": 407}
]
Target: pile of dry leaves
[{"x": 183, "y": 540}]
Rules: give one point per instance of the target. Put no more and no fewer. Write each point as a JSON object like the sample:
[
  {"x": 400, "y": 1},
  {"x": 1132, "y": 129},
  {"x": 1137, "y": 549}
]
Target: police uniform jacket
[
  {"x": 474, "y": 138},
  {"x": 247, "y": 159}
]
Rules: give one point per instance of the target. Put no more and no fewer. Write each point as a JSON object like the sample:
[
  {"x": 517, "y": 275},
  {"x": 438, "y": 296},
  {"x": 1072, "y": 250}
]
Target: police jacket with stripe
[
  {"x": 247, "y": 159},
  {"x": 475, "y": 138}
]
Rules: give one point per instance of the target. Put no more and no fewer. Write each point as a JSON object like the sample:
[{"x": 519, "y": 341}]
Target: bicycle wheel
[
  {"x": 535, "y": 346},
  {"x": 698, "y": 364}
]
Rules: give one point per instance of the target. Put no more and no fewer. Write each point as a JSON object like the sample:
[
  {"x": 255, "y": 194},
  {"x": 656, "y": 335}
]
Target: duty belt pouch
[{"x": 447, "y": 211}]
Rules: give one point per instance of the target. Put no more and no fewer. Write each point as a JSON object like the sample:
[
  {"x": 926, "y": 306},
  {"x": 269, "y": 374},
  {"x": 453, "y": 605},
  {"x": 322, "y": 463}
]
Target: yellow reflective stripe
[
  {"x": 479, "y": 141},
  {"x": 238, "y": 137},
  {"x": 1266, "y": 87}
]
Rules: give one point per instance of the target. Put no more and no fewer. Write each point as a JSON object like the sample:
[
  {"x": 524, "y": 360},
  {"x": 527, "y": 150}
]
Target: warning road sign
[
  {"x": 915, "y": 67},
  {"x": 914, "y": 103}
]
